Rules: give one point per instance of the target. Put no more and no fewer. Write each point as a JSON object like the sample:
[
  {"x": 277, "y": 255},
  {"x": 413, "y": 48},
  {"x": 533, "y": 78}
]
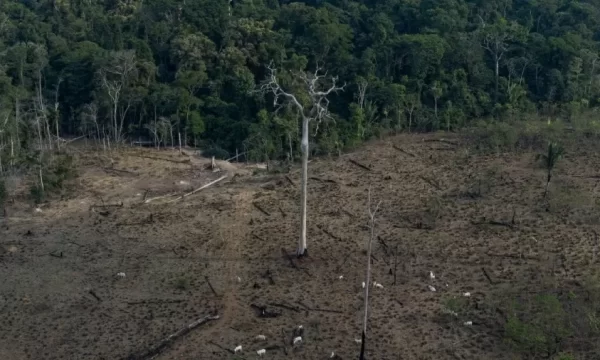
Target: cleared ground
[{"x": 477, "y": 222}]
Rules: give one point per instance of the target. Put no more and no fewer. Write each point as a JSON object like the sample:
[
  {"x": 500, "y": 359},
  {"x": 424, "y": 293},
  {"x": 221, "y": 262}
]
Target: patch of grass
[
  {"x": 538, "y": 327},
  {"x": 454, "y": 306},
  {"x": 564, "y": 356},
  {"x": 57, "y": 170},
  {"x": 433, "y": 211},
  {"x": 530, "y": 134},
  {"x": 218, "y": 152}
]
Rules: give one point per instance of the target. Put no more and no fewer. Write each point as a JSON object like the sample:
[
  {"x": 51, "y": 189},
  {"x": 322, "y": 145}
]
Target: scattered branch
[
  {"x": 403, "y": 151},
  {"x": 159, "y": 197},
  {"x": 487, "y": 276},
  {"x": 359, "y": 164},
  {"x": 152, "y": 352},
  {"x": 261, "y": 209},
  {"x": 328, "y": 232},
  {"x": 283, "y": 306},
  {"x": 210, "y": 285},
  {"x": 263, "y": 312},
  {"x": 198, "y": 189}
]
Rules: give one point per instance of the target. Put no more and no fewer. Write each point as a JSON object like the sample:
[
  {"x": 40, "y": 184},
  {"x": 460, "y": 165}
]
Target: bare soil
[{"x": 479, "y": 223}]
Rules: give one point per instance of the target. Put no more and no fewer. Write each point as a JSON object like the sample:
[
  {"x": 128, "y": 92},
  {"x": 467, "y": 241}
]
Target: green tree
[{"x": 553, "y": 154}]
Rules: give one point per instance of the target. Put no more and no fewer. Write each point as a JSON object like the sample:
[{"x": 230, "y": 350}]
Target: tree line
[{"x": 159, "y": 69}]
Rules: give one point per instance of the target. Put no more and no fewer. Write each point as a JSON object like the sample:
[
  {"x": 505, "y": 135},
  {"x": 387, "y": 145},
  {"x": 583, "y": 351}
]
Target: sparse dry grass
[{"x": 429, "y": 214}]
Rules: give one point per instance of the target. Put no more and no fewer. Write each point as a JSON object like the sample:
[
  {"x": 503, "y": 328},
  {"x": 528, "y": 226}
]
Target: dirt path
[
  {"x": 231, "y": 234},
  {"x": 233, "y": 250}
]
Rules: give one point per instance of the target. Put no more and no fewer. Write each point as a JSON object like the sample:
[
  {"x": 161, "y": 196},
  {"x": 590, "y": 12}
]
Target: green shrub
[
  {"x": 58, "y": 169},
  {"x": 564, "y": 356},
  {"x": 494, "y": 136},
  {"x": 454, "y": 305},
  {"x": 216, "y": 151},
  {"x": 539, "y": 328},
  {"x": 37, "y": 193}
]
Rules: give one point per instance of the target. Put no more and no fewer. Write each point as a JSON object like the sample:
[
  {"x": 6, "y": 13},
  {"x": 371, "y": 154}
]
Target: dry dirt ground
[{"x": 477, "y": 222}]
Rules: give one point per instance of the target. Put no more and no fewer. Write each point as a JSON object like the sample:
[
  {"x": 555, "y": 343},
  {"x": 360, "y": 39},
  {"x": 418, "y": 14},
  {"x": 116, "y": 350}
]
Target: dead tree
[
  {"x": 372, "y": 213},
  {"x": 114, "y": 78},
  {"x": 313, "y": 106}
]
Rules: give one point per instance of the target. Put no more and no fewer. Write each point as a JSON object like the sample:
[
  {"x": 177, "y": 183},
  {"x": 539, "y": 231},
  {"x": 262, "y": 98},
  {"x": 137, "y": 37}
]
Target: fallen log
[
  {"x": 328, "y": 232},
  {"x": 159, "y": 197},
  {"x": 120, "y": 205},
  {"x": 152, "y": 352},
  {"x": 119, "y": 171},
  {"x": 261, "y": 209},
  {"x": 495, "y": 223},
  {"x": 283, "y": 306},
  {"x": 155, "y": 301},
  {"x": 487, "y": 276},
  {"x": 319, "y": 309},
  {"x": 323, "y": 180},
  {"x": 186, "y": 161},
  {"x": 403, "y": 151},
  {"x": 430, "y": 182},
  {"x": 210, "y": 285},
  {"x": 264, "y": 313},
  {"x": 59, "y": 255},
  {"x": 221, "y": 347},
  {"x": 359, "y": 164},
  {"x": 290, "y": 180},
  {"x": 93, "y": 293},
  {"x": 198, "y": 189}
]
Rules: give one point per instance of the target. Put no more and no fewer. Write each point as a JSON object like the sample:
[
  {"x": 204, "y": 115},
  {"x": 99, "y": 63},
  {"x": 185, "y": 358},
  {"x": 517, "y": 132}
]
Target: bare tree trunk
[
  {"x": 372, "y": 214},
  {"x": 497, "y": 73},
  {"x": 179, "y": 143},
  {"x": 291, "y": 148},
  {"x": 302, "y": 248},
  {"x": 12, "y": 152},
  {"x": 41, "y": 152},
  {"x": 17, "y": 120},
  {"x": 57, "y": 136}
]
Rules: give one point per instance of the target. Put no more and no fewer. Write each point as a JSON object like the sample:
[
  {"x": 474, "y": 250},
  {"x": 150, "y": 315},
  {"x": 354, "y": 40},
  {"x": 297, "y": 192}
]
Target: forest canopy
[{"x": 130, "y": 69}]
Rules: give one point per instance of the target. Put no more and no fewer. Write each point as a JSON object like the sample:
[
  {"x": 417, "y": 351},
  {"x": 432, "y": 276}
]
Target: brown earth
[{"x": 444, "y": 210}]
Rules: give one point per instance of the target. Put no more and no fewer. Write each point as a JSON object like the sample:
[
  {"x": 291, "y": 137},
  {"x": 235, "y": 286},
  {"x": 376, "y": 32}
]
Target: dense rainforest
[{"x": 154, "y": 69}]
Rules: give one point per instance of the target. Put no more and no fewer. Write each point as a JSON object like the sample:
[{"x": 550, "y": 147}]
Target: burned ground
[{"x": 478, "y": 222}]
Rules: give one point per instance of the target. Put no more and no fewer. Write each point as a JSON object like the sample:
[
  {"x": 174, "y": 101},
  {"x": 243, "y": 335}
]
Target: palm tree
[{"x": 550, "y": 158}]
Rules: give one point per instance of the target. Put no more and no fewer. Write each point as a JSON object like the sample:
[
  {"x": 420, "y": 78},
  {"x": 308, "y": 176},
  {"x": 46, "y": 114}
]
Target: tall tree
[{"x": 312, "y": 104}]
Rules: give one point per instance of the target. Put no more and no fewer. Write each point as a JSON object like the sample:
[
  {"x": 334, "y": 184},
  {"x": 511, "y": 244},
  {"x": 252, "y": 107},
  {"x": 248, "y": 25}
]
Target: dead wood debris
[
  {"x": 308, "y": 308},
  {"x": 198, "y": 189},
  {"x": 328, "y": 232},
  {"x": 359, "y": 164},
  {"x": 403, "y": 151},
  {"x": 487, "y": 276},
  {"x": 261, "y": 209},
  {"x": 210, "y": 285},
  {"x": 289, "y": 257},
  {"x": 263, "y": 312},
  {"x": 164, "y": 344}
]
